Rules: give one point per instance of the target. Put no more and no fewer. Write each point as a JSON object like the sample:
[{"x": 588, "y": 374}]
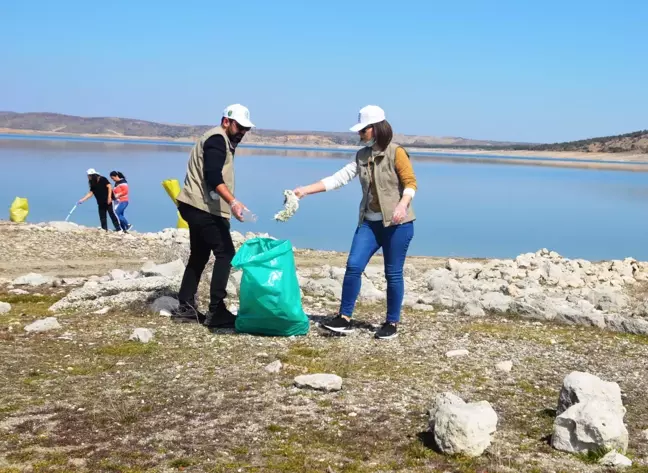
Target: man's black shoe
[
  {"x": 185, "y": 313},
  {"x": 223, "y": 318}
]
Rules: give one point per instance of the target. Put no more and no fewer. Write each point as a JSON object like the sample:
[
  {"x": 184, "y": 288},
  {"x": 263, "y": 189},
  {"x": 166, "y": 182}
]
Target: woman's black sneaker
[
  {"x": 387, "y": 331},
  {"x": 339, "y": 324}
]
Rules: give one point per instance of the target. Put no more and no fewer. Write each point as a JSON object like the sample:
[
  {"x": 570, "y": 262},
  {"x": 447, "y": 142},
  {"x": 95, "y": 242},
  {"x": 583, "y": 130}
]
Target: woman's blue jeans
[
  {"x": 369, "y": 238},
  {"x": 119, "y": 211}
]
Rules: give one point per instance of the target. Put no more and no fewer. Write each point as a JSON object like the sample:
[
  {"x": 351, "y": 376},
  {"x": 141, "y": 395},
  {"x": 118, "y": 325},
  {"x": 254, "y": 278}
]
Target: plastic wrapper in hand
[
  {"x": 19, "y": 210},
  {"x": 269, "y": 297},
  {"x": 172, "y": 187}
]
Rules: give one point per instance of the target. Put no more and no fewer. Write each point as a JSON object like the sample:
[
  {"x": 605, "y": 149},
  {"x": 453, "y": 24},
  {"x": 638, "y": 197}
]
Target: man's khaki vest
[
  {"x": 195, "y": 191},
  {"x": 390, "y": 190}
]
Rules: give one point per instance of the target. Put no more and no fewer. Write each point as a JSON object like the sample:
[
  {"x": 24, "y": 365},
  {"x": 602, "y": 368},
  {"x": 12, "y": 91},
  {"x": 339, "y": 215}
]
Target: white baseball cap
[
  {"x": 368, "y": 116},
  {"x": 239, "y": 113},
  {"x": 91, "y": 171}
]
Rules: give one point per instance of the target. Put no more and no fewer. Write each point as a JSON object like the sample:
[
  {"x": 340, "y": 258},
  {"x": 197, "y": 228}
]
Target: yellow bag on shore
[
  {"x": 19, "y": 210},
  {"x": 172, "y": 187}
]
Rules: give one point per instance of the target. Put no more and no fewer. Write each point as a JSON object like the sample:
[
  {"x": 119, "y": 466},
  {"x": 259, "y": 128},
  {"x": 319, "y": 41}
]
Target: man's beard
[{"x": 236, "y": 139}]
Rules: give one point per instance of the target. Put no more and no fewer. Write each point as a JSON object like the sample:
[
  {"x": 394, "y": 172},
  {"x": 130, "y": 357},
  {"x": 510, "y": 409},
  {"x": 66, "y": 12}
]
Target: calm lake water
[{"x": 463, "y": 208}]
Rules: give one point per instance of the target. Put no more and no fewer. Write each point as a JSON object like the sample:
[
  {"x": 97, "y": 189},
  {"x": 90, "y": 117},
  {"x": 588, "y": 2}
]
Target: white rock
[
  {"x": 43, "y": 325},
  {"x": 461, "y": 269},
  {"x": 369, "y": 293},
  {"x": 337, "y": 273},
  {"x": 504, "y": 366},
  {"x": 18, "y": 292},
  {"x": 165, "y": 303},
  {"x": 461, "y": 428},
  {"x": 473, "y": 309},
  {"x": 116, "y": 293},
  {"x": 32, "y": 279},
  {"x": 274, "y": 367},
  {"x": 615, "y": 460},
  {"x": 4, "y": 307},
  {"x": 374, "y": 273},
  {"x": 496, "y": 301},
  {"x": 456, "y": 353},
  {"x": 319, "y": 382},
  {"x": 526, "y": 261},
  {"x": 174, "y": 269},
  {"x": 118, "y": 274},
  {"x": 583, "y": 387},
  {"x": 587, "y": 426},
  {"x": 445, "y": 291},
  {"x": 103, "y": 311},
  {"x": 143, "y": 335},
  {"x": 322, "y": 287},
  {"x": 608, "y": 299}
]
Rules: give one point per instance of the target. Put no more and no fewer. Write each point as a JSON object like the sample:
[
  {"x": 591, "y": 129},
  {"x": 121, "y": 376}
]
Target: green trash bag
[{"x": 269, "y": 297}]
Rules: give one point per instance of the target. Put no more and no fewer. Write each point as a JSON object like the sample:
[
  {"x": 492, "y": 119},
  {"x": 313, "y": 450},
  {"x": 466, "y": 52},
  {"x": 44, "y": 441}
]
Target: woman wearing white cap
[
  {"x": 102, "y": 190},
  {"x": 386, "y": 217}
]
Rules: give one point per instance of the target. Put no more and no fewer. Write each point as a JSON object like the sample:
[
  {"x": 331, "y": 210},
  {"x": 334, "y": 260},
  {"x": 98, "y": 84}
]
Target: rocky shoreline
[
  {"x": 542, "y": 286},
  {"x": 529, "y": 364}
]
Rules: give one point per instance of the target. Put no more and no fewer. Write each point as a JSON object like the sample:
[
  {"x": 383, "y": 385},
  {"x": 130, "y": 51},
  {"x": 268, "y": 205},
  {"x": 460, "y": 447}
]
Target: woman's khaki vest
[
  {"x": 195, "y": 191},
  {"x": 390, "y": 190}
]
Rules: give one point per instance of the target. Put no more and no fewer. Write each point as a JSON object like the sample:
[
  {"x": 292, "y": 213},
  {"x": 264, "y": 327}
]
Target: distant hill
[
  {"x": 636, "y": 142},
  {"x": 127, "y": 127},
  {"x": 47, "y": 123}
]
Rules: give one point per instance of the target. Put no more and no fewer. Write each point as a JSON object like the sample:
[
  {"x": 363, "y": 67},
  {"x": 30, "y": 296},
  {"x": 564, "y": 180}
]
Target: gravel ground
[{"x": 84, "y": 398}]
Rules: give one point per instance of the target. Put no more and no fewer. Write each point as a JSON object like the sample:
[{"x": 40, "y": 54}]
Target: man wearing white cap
[{"x": 207, "y": 202}]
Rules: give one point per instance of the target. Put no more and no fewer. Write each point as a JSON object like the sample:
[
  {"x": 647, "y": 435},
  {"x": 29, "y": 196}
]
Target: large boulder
[
  {"x": 461, "y": 428},
  {"x": 117, "y": 293},
  {"x": 4, "y": 307},
  {"x": 585, "y": 387},
  {"x": 590, "y": 426}
]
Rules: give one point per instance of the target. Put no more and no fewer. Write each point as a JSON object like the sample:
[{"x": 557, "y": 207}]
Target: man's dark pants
[{"x": 207, "y": 234}]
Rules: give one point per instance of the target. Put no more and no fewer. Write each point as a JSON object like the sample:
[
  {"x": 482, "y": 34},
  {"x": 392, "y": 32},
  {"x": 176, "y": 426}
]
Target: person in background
[
  {"x": 121, "y": 198},
  {"x": 207, "y": 203},
  {"x": 102, "y": 190},
  {"x": 386, "y": 218}
]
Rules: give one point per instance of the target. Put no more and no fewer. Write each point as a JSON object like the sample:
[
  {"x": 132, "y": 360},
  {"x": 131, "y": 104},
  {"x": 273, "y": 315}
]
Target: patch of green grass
[
  {"x": 50, "y": 461},
  {"x": 274, "y": 428},
  {"x": 22, "y": 456},
  {"x": 29, "y": 304},
  {"x": 183, "y": 462},
  {"x": 129, "y": 348},
  {"x": 304, "y": 351},
  {"x": 593, "y": 456}
]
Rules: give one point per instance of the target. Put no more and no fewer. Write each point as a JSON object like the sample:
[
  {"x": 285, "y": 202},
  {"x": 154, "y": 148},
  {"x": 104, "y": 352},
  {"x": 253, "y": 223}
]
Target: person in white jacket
[{"x": 386, "y": 218}]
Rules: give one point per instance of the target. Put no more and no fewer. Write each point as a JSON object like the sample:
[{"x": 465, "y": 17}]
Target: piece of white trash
[{"x": 291, "y": 204}]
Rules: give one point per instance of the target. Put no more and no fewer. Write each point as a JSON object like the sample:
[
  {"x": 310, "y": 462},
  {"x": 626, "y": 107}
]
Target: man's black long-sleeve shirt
[{"x": 214, "y": 155}]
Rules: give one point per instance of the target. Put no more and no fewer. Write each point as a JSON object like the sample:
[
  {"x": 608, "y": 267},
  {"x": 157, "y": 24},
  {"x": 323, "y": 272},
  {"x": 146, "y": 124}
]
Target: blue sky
[{"x": 501, "y": 69}]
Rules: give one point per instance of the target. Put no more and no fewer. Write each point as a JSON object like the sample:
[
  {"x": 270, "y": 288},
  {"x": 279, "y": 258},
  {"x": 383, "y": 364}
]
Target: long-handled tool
[{"x": 73, "y": 209}]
